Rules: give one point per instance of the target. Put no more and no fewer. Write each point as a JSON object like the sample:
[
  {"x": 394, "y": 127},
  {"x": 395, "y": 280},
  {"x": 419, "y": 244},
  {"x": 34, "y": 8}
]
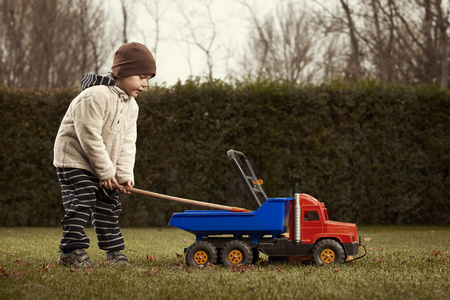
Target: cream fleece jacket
[{"x": 98, "y": 133}]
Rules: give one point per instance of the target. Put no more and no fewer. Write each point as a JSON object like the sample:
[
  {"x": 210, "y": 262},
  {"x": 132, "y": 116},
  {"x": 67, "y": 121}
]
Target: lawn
[{"x": 402, "y": 263}]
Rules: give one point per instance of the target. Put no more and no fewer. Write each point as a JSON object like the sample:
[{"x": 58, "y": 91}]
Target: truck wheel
[
  {"x": 328, "y": 252},
  {"x": 235, "y": 253},
  {"x": 200, "y": 254}
]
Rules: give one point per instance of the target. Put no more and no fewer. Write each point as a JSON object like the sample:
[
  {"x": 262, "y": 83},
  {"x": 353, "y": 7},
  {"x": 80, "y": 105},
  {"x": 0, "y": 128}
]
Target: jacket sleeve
[
  {"x": 127, "y": 156},
  {"x": 88, "y": 116}
]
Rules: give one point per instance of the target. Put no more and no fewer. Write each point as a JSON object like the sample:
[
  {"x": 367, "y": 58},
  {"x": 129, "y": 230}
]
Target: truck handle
[{"x": 247, "y": 175}]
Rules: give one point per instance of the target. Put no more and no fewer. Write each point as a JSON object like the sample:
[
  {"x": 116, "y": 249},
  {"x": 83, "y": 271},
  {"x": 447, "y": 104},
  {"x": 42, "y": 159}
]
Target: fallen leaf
[
  {"x": 48, "y": 267},
  {"x": 178, "y": 254},
  {"x": 336, "y": 271},
  {"x": 437, "y": 253},
  {"x": 368, "y": 239},
  {"x": 176, "y": 266},
  {"x": 17, "y": 263},
  {"x": 188, "y": 241},
  {"x": 151, "y": 257},
  {"x": 251, "y": 267},
  {"x": 152, "y": 272},
  {"x": 3, "y": 273},
  {"x": 278, "y": 270},
  {"x": 88, "y": 271},
  {"x": 237, "y": 268},
  {"x": 16, "y": 274}
]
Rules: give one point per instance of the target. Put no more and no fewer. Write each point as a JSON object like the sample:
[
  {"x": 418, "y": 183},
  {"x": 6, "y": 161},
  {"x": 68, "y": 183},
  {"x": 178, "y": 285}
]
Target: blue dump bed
[{"x": 271, "y": 218}]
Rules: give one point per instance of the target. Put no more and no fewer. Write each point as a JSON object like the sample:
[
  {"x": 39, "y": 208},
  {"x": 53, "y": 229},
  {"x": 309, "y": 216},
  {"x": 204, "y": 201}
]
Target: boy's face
[{"x": 133, "y": 85}]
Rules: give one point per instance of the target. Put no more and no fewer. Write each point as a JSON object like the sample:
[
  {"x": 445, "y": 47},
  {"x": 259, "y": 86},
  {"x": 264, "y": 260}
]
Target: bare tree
[
  {"x": 393, "y": 39},
  {"x": 281, "y": 46},
  {"x": 49, "y": 43},
  {"x": 126, "y": 7},
  {"x": 353, "y": 69},
  {"x": 259, "y": 44},
  {"x": 157, "y": 13},
  {"x": 443, "y": 17},
  {"x": 333, "y": 62},
  {"x": 201, "y": 30},
  {"x": 14, "y": 45}
]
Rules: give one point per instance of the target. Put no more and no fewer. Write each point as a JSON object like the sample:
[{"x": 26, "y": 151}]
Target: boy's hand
[
  {"x": 109, "y": 184},
  {"x": 123, "y": 187}
]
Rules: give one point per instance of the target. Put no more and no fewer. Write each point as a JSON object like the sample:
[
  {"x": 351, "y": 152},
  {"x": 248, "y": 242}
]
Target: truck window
[{"x": 312, "y": 215}]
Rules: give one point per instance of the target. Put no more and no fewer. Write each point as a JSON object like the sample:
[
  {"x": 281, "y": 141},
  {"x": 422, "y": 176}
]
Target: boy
[{"x": 95, "y": 151}]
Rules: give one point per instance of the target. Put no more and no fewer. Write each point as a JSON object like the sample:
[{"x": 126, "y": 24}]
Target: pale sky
[{"x": 175, "y": 57}]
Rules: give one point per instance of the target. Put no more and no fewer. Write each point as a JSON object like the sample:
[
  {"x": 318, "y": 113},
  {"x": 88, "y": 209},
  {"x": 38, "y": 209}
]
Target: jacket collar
[{"x": 121, "y": 93}]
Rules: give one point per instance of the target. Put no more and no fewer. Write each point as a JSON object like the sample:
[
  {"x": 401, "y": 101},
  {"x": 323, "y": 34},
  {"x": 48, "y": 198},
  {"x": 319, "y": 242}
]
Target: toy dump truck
[{"x": 296, "y": 229}]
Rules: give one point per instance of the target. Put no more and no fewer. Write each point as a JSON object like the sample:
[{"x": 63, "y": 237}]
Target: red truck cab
[{"x": 315, "y": 226}]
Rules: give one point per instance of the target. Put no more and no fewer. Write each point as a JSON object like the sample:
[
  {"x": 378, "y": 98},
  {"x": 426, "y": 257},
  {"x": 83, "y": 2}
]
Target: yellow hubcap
[
  {"x": 200, "y": 257},
  {"x": 235, "y": 257},
  {"x": 327, "y": 256}
]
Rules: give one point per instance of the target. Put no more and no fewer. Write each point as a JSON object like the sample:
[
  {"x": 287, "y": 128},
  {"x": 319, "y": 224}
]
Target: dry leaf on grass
[
  {"x": 152, "y": 272},
  {"x": 48, "y": 267},
  {"x": 178, "y": 254},
  {"x": 16, "y": 274},
  {"x": 17, "y": 263},
  {"x": 88, "y": 271},
  {"x": 177, "y": 266},
  {"x": 278, "y": 270},
  {"x": 3, "y": 273},
  {"x": 151, "y": 257}
]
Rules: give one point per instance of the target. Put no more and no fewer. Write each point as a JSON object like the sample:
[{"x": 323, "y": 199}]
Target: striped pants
[{"x": 83, "y": 198}]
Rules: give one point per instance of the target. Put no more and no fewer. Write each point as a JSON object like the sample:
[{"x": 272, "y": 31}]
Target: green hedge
[{"x": 374, "y": 153}]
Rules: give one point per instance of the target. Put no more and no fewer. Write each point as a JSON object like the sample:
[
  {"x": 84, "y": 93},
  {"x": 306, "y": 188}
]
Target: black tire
[
  {"x": 236, "y": 253},
  {"x": 200, "y": 254},
  {"x": 328, "y": 252}
]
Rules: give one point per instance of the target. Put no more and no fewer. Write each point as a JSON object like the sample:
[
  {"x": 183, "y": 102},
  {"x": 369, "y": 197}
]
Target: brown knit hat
[{"x": 133, "y": 59}]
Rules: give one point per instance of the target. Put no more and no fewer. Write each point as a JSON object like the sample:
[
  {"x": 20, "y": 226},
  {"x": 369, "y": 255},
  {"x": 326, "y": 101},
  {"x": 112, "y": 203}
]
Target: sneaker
[
  {"x": 117, "y": 258},
  {"x": 78, "y": 259}
]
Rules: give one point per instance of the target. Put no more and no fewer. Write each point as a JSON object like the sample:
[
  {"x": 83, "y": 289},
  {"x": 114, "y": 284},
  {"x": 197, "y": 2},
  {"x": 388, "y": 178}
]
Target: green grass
[{"x": 403, "y": 263}]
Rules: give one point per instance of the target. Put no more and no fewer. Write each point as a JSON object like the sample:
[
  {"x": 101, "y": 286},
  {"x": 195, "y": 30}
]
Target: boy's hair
[{"x": 133, "y": 59}]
